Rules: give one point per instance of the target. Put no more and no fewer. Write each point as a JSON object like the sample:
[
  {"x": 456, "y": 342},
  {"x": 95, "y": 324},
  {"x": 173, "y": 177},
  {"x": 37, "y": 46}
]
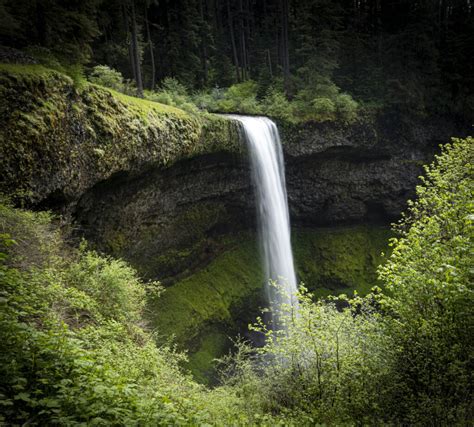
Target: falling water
[{"x": 268, "y": 173}]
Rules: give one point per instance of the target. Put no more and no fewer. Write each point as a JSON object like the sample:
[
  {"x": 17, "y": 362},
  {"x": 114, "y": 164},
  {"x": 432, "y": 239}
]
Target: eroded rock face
[
  {"x": 360, "y": 173},
  {"x": 170, "y": 221},
  {"x": 167, "y": 222}
]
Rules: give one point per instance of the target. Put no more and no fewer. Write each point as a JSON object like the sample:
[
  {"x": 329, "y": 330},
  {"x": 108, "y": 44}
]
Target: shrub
[
  {"x": 172, "y": 85},
  {"x": 328, "y": 365},
  {"x": 111, "y": 283},
  {"x": 173, "y": 93},
  {"x": 276, "y": 105},
  {"x": 346, "y": 108},
  {"x": 103, "y": 370},
  {"x": 105, "y": 76},
  {"x": 429, "y": 275},
  {"x": 322, "y": 109},
  {"x": 241, "y": 98},
  {"x": 208, "y": 101}
]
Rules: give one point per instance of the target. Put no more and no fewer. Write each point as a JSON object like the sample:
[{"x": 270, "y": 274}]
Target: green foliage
[
  {"x": 319, "y": 99},
  {"x": 430, "y": 279},
  {"x": 173, "y": 93},
  {"x": 112, "y": 284},
  {"x": 172, "y": 85},
  {"x": 240, "y": 98},
  {"x": 323, "y": 109},
  {"x": 276, "y": 105},
  {"x": 65, "y": 28},
  {"x": 209, "y": 100},
  {"x": 326, "y": 367},
  {"x": 346, "y": 108},
  {"x": 71, "y": 346},
  {"x": 108, "y": 77}
]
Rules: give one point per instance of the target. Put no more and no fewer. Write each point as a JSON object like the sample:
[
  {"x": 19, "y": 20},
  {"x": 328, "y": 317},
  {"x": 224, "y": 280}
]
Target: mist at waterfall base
[{"x": 268, "y": 176}]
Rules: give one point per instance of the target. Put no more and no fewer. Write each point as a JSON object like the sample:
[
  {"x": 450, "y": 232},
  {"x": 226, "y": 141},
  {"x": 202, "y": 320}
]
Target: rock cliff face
[
  {"x": 364, "y": 172},
  {"x": 168, "y": 222},
  {"x": 58, "y": 139}
]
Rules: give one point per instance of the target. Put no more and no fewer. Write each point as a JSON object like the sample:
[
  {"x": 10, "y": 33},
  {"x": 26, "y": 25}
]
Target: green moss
[
  {"x": 210, "y": 295},
  {"x": 341, "y": 260},
  {"x": 328, "y": 261},
  {"x": 24, "y": 71},
  {"x": 202, "y": 362},
  {"x": 144, "y": 106},
  {"x": 58, "y": 137}
]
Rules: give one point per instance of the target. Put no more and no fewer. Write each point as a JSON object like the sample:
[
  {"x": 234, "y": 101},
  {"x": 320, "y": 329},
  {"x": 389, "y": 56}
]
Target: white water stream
[{"x": 268, "y": 174}]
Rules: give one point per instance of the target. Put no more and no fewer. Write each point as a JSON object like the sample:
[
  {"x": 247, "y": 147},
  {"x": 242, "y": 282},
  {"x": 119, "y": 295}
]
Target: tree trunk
[
  {"x": 128, "y": 41},
  {"x": 136, "y": 54},
  {"x": 232, "y": 40},
  {"x": 242, "y": 41},
  {"x": 203, "y": 43},
  {"x": 285, "y": 56},
  {"x": 152, "y": 54},
  {"x": 269, "y": 58}
]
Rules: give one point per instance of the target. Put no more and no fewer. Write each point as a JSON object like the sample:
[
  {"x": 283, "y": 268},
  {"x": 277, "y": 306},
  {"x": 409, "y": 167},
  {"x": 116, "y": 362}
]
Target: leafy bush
[
  {"x": 327, "y": 366},
  {"x": 431, "y": 300},
  {"x": 173, "y": 93},
  {"x": 172, "y": 85},
  {"x": 71, "y": 347},
  {"x": 208, "y": 101},
  {"x": 240, "y": 98},
  {"x": 346, "y": 108},
  {"x": 276, "y": 105},
  {"x": 111, "y": 283},
  {"x": 322, "y": 109},
  {"x": 108, "y": 77},
  {"x": 319, "y": 99}
]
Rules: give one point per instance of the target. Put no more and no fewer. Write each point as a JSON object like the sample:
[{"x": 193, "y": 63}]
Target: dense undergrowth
[
  {"x": 323, "y": 101},
  {"x": 74, "y": 348}
]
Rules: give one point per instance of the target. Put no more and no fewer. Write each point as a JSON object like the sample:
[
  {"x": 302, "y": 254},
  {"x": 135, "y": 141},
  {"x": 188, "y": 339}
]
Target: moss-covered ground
[{"x": 205, "y": 309}]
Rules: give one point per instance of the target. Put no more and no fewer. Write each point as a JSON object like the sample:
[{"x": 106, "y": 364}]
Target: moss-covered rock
[
  {"x": 340, "y": 260},
  {"x": 212, "y": 295},
  {"x": 57, "y": 139},
  {"x": 203, "y": 310}
]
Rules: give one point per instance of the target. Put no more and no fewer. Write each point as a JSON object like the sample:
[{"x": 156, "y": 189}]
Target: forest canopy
[{"x": 326, "y": 57}]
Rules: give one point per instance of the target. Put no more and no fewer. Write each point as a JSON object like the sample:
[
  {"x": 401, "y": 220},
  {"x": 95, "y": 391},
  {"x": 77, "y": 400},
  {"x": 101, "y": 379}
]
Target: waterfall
[{"x": 268, "y": 174}]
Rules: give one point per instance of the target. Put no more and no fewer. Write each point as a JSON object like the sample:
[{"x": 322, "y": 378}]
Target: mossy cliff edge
[{"x": 58, "y": 139}]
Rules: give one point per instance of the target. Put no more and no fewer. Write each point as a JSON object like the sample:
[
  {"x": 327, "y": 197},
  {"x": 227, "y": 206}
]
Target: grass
[{"x": 144, "y": 105}]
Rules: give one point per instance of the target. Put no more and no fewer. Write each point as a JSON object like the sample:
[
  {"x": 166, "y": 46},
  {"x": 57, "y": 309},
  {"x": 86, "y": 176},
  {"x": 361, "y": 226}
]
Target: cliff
[
  {"x": 170, "y": 192},
  {"x": 59, "y": 139}
]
